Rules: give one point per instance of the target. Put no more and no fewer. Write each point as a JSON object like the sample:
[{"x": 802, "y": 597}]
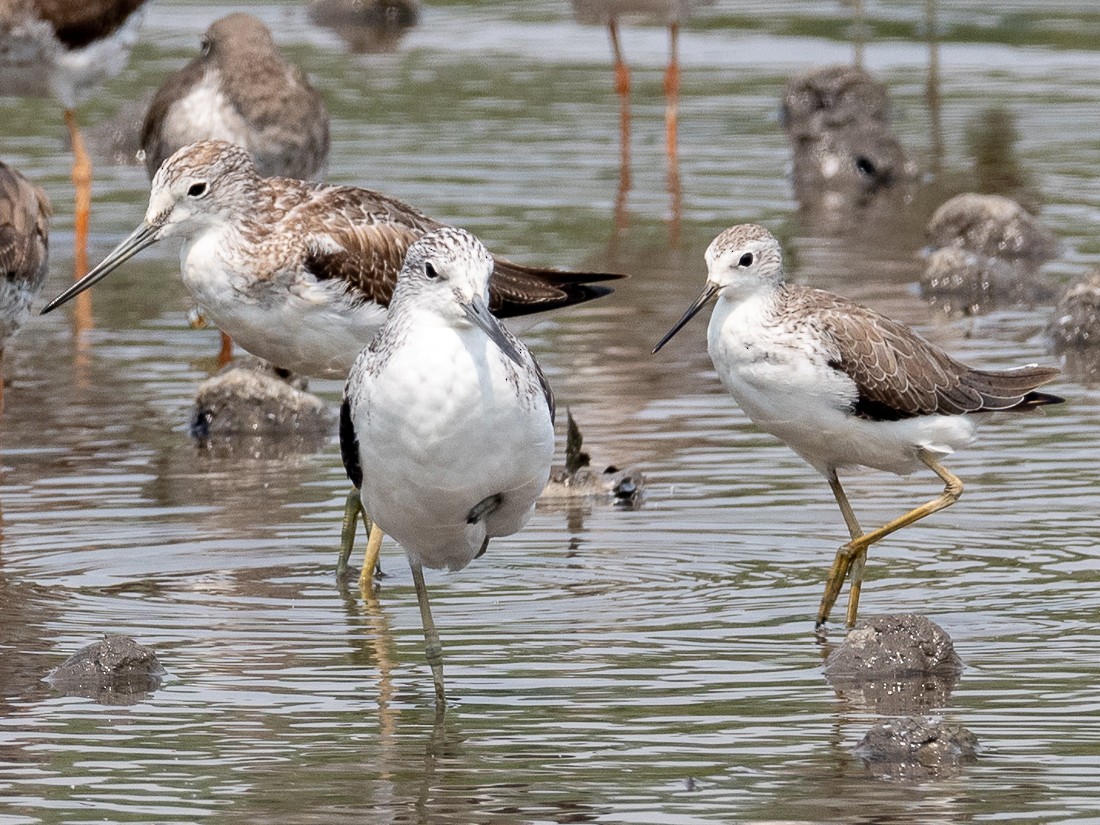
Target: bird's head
[{"x": 740, "y": 261}]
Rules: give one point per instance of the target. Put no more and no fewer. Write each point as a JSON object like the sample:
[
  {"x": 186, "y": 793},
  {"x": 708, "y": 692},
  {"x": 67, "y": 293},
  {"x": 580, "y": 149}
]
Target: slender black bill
[
  {"x": 478, "y": 313},
  {"x": 709, "y": 292},
  {"x": 142, "y": 237}
]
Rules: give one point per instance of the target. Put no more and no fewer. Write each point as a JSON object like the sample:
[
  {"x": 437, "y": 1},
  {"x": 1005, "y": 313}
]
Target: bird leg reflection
[
  {"x": 672, "y": 99},
  {"x": 672, "y": 113},
  {"x": 622, "y": 88},
  {"x": 225, "y": 353},
  {"x": 82, "y": 183},
  {"x": 852, "y": 555},
  {"x": 82, "y": 208},
  {"x": 433, "y": 649}
]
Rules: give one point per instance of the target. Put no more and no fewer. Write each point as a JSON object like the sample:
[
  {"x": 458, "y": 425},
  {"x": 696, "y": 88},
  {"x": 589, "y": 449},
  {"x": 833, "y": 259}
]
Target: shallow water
[{"x": 655, "y": 665}]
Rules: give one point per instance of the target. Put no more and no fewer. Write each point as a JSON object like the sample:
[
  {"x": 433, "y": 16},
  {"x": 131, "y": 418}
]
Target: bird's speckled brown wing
[
  {"x": 366, "y": 237},
  {"x": 24, "y": 228},
  {"x": 898, "y": 374},
  {"x": 370, "y": 233}
]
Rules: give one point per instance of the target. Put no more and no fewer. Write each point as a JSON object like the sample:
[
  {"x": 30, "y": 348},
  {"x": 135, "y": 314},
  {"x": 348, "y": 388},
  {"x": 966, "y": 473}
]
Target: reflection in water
[
  {"x": 987, "y": 253},
  {"x": 932, "y": 85},
  {"x": 992, "y": 140},
  {"x": 1075, "y": 329},
  {"x": 672, "y": 13},
  {"x": 848, "y": 166}
]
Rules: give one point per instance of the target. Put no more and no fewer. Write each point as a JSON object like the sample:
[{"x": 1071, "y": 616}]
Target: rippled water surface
[{"x": 655, "y": 665}]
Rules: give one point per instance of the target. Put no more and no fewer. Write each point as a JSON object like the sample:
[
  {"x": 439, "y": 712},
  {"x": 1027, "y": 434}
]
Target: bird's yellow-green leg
[
  {"x": 353, "y": 507},
  {"x": 855, "y": 572},
  {"x": 370, "y": 567},
  {"x": 847, "y": 555},
  {"x": 433, "y": 650}
]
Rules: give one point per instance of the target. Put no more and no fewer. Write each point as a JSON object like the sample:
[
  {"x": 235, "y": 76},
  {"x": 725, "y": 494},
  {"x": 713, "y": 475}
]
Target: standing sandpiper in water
[
  {"x": 298, "y": 273},
  {"x": 842, "y": 385},
  {"x": 240, "y": 89},
  {"x": 451, "y": 414},
  {"x": 24, "y": 244}
]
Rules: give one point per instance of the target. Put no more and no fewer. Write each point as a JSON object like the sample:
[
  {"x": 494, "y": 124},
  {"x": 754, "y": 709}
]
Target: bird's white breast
[
  {"x": 778, "y": 370},
  {"x": 284, "y": 317},
  {"x": 204, "y": 113},
  {"x": 445, "y": 421}
]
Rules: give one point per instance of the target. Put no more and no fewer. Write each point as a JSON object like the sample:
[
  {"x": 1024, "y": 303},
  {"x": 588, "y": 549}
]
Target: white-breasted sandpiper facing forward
[
  {"x": 449, "y": 415},
  {"x": 65, "y": 49},
  {"x": 242, "y": 90},
  {"x": 298, "y": 273},
  {"x": 842, "y": 385},
  {"x": 24, "y": 246}
]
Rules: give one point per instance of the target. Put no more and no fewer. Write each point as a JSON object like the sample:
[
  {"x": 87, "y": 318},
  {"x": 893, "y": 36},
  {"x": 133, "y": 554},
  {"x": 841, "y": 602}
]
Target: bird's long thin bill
[
  {"x": 479, "y": 314},
  {"x": 142, "y": 237},
  {"x": 709, "y": 291}
]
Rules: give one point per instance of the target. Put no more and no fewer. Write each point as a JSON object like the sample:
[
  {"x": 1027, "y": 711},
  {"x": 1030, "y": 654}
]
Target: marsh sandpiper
[{"x": 842, "y": 385}]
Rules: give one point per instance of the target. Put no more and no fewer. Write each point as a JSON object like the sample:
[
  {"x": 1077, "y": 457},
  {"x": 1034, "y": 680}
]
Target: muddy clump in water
[
  {"x": 895, "y": 664},
  {"x": 249, "y": 400},
  {"x": 113, "y": 671},
  {"x": 917, "y": 749}
]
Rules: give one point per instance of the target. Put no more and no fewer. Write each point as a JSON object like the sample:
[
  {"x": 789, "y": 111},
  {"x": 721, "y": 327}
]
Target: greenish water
[{"x": 647, "y": 666}]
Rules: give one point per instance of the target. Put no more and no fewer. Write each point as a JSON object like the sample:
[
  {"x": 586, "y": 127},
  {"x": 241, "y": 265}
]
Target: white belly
[
  {"x": 305, "y": 327},
  {"x": 440, "y": 430},
  {"x": 784, "y": 384}
]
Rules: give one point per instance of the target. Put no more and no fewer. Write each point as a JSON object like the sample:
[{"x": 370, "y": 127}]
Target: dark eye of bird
[
  {"x": 196, "y": 190},
  {"x": 746, "y": 260},
  {"x": 430, "y": 270}
]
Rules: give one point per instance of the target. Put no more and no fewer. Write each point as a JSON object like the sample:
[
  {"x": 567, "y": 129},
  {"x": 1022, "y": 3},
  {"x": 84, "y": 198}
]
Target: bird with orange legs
[
  {"x": 671, "y": 13},
  {"x": 65, "y": 49}
]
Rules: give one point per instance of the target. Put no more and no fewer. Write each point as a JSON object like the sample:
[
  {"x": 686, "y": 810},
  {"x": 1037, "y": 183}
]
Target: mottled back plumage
[
  {"x": 901, "y": 375},
  {"x": 24, "y": 244},
  {"x": 358, "y": 237}
]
